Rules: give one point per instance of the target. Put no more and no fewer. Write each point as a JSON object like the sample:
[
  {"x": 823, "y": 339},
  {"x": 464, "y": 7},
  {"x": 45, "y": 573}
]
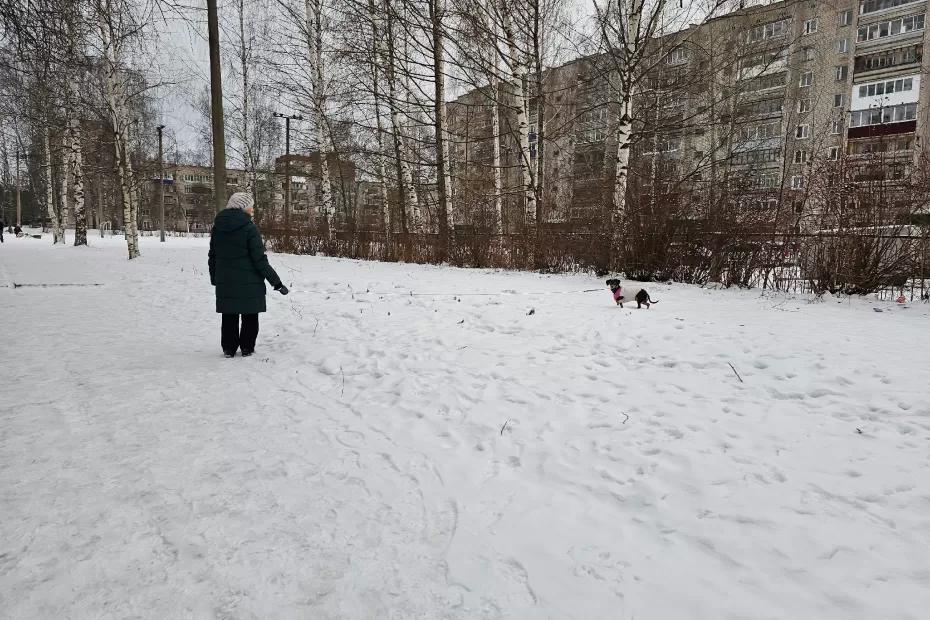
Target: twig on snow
[
  {"x": 626, "y": 418},
  {"x": 504, "y": 426},
  {"x": 342, "y": 393},
  {"x": 736, "y": 373}
]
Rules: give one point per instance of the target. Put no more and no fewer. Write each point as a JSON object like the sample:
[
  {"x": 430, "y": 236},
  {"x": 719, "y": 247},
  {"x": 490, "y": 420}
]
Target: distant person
[
  {"x": 17, "y": 231},
  {"x": 238, "y": 269},
  {"x": 2, "y": 225}
]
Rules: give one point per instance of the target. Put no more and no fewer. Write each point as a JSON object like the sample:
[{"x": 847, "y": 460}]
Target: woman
[{"x": 238, "y": 269}]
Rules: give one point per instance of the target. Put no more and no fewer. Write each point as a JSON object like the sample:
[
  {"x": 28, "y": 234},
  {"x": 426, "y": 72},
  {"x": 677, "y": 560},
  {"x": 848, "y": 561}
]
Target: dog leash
[{"x": 412, "y": 294}]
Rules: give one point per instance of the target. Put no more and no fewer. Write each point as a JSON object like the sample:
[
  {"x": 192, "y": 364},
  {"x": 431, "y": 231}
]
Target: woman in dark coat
[{"x": 238, "y": 270}]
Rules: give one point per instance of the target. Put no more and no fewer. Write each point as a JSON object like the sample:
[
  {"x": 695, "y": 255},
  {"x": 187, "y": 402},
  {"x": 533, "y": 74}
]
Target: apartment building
[
  {"x": 306, "y": 188},
  {"x": 752, "y": 105},
  {"x": 188, "y": 190}
]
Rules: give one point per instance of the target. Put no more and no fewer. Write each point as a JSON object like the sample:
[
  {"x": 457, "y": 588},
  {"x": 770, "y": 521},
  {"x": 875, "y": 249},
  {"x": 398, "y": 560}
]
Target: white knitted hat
[{"x": 240, "y": 200}]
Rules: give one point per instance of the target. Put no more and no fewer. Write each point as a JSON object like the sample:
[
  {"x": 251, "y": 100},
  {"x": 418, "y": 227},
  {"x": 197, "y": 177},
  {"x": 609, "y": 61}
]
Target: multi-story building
[
  {"x": 756, "y": 110},
  {"x": 306, "y": 188},
  {"x": 189, "y": 204}
]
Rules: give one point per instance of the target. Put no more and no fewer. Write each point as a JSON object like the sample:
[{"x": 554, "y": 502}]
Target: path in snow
[{"x": 388, "y": 454}]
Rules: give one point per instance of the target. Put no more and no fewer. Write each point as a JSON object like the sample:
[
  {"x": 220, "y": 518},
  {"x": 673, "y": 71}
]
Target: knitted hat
[{"x": 240, "y": 200}]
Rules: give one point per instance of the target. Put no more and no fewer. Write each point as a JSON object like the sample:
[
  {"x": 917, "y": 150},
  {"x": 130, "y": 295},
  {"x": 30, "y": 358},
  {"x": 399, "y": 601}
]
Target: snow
[{"x": 409, "y": 442}]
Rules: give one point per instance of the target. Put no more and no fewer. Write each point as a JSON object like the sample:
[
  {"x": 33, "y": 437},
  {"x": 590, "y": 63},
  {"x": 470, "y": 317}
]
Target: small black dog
[{"x": 642, "y": 297}]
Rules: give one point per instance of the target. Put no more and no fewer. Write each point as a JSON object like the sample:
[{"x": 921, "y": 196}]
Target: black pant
[{"x": 233, "y": 338}]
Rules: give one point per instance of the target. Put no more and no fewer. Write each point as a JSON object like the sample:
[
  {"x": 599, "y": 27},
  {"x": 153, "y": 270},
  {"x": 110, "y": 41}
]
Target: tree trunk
[
  {"x": 77, "y": 173},
  {"x": 382, "y": 171},
  {"x": 498, "y": 169},
  {"x": 408, "y": 191},
  {"x": 443, "y": 178},
  {"x": 250, "y": 150},
  {"x": 65, "y": 173},
  {"x": 58, "y": 232},
  {"x": 117, "y": 107},
  {"x": 633, "y": 42},
  {"x": 539, "y": 175},
  {"x": 518, "y": 72},
  {"x": 314, "y": 16}
]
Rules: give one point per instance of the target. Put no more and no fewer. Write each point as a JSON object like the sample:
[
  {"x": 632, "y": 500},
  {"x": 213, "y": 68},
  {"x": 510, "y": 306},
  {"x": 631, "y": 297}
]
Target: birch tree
[
  {"x": 114, "y": 29},
  {"x": 410, "y": 206},
  {"x": 437, "y": 14},
  {"x": 54, "y": 214}
]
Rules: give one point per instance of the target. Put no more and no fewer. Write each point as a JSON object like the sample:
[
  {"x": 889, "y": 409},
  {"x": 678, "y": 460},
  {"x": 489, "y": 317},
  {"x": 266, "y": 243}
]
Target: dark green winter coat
[{"x": 238, "y": 265}]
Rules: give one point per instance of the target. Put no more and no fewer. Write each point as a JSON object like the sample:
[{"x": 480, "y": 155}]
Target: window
[
  {"x": 756, "y": 156},
  {"x": 807, "y": 78},
  {"x": 891, "y": 145},
  {"x": 870, "y": 6},
  {"x": 842, "y": 73},
  {"x": 895, "y": 26},
  {"x": 837, "y": 127},
  {"x": 767, "y": 179},
  {"x": 842, "y": 46},
  {"x": 880, "y": 116},
  {"x": 765, "y": 82},
  {"x": 758, "y": 108},
  {"x": 804, "y": 105},
  {"x": 846, "y": 17},
  {"x": 765, "y": 59},
  {"x": 839, "y": 100},
  {"x": 677, "y": 56},
  {"x": 797, "y": 182},
  {"x": 809, "y": 53},
  {"x": 768, "y": 31},
  {"x": 800, "y": 157},
  {"x": 886, "y": 88},
  {"x": 760, "y": 131},
  {"x": 810, "y": 26},
  {"x": 834, "y": 153},
  {"x": 889, "y": 58},
  {"x": 592, "y": 126},
  {"x": 802, "y": 132}
]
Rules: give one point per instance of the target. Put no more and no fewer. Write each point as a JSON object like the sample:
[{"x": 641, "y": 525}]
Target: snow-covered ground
[{"x": 412, "y": 442}]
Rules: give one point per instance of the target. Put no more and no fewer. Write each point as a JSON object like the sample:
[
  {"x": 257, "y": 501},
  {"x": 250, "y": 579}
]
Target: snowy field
[{"x": 412, "y": 442}]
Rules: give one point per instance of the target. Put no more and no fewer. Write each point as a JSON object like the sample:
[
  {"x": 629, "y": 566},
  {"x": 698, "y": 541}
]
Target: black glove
[{"x": 282, "y": 289}]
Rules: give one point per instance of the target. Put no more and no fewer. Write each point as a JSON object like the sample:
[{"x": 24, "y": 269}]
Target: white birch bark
[
  {"x": 633, "y": 41},
  {"x": 77, "y": 174},
  {"x": 497, "y": 168},
  {"x": 58, "y": 232},
  {"x": 382, "y": 154},
  {"x": 65, "y": 173},
  {"x": 411, "y": 203},
  {"x": 250, "y": 153},
  {"x": 444, "y": 177},
  {"x": 518, "y": 72},
  {"x": 314, "y": 16},
  {"x": 118, "y": 111}
]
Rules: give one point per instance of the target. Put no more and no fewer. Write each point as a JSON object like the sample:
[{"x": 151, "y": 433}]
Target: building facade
[{"x": 766, "y": 111}]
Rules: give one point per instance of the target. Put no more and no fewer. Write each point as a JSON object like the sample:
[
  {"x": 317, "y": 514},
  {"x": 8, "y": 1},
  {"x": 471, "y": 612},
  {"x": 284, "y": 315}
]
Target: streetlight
[
  {"x": 287, "y": 172},
  {"x": 161, "y": 186}
]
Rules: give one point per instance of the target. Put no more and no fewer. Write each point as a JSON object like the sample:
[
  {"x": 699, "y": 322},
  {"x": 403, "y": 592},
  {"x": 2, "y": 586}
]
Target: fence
[{"x": 853, "y": 261}]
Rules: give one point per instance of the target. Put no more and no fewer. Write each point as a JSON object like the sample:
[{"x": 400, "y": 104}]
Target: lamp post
[
  {"x": 287, "y": 172},
  {"x": 161, "y": 187}
]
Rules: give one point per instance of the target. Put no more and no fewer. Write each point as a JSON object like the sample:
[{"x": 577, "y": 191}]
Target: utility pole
[
  {"x": 216, "y": 109},
  {"x": 287, "y": 172},
  {"x": 161, "y": 186}
]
